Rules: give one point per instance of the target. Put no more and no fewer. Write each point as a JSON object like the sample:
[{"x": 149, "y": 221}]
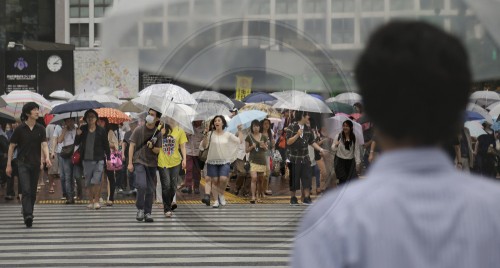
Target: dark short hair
[
  {"x": 255, "y": 123},
  {"x": 27, "y": 108},
  {"x": 89, "y": 111},
  {"x": 416, "y": 73},
  {"x": 300, "y": 114},
  {"x": 224, "y": 123},
  {"x": 158, "y": 114}
]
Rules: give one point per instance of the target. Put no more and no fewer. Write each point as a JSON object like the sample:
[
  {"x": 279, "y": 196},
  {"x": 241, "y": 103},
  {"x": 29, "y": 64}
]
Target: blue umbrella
[
  {"x": 257, "y": 97},
  {"x": 76, "y": 106},
  {"x": 245, "y": 118},
  {"x": 471, "y": 116}
]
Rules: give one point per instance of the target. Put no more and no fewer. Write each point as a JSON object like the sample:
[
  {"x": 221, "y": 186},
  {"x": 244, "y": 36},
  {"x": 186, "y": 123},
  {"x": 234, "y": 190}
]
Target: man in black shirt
[{"x": 30, "y": 139}]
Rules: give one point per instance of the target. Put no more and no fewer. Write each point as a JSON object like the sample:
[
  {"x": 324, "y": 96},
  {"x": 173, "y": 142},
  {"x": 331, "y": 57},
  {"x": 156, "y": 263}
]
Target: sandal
[
  {"x": 51, "y": 191},
  {"x": 109, "y": 203}
]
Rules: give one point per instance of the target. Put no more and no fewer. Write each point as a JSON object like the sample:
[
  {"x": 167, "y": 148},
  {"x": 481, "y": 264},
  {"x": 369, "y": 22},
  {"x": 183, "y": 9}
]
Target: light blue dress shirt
[{"x": 414, "y": 209}]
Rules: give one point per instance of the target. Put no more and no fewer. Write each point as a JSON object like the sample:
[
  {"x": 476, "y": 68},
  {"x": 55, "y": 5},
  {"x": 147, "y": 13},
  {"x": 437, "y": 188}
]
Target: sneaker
[
  {"x": 307, "y": 201},
  {"x": 294, "y": 201},
  {"x": 222, "y": 200},
  {"x": 97, "y": 206},
  {"x": 186, "y": 190},
  {"x": 216, "y": 204},
  {"x": 140, "y": 215},
  {"x": 173, "y": 206},
  {"x": 148, "y": 218},
  {"x": 28, "y": 220},
  {"x": 9, "y": 197},
  {"x": 168, "y": 214}
]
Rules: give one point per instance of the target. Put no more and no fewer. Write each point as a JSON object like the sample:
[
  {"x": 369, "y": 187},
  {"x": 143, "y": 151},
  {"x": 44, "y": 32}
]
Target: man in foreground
[{"x": 414, "y": 209}]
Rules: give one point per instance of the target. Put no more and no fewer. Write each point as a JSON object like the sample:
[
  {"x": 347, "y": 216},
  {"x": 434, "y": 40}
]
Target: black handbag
[{"x": 67, "y": 151}]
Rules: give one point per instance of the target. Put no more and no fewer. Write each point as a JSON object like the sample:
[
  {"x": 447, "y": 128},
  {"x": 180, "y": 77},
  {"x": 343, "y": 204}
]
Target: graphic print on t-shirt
[{"x": 168, "y": 145}]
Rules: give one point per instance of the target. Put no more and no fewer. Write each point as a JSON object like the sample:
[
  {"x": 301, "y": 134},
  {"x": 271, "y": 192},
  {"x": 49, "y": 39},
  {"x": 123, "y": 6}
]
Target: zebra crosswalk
[{"x": 196, "y": 236}]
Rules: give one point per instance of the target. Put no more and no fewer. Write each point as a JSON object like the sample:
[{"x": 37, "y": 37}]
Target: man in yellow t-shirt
[{"x": 170, "y": 161}]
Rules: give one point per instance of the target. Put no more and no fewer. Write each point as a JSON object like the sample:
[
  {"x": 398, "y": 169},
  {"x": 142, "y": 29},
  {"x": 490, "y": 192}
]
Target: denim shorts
[
  {"x": 92, "y": 171},
  {"x": 218, "y": 170}
]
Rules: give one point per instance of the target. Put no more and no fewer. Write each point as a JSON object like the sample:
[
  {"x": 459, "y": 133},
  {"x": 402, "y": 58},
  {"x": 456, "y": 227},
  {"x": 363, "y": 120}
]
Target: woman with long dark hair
[
  {"x": 265, "y": 127},
  {"x": 347, "y": 154},
  {"x": 257, "y": 146}
]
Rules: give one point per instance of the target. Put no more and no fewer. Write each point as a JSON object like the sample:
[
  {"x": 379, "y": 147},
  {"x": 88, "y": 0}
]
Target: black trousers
[
  {"x": 345, "y": 169},
  {"x": 28, "y": 179}
]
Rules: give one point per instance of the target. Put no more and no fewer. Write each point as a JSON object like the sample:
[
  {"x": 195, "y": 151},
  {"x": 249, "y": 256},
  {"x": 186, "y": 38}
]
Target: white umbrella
[
  {"x": 349, "y": 97},
  {"x": 475, "y": 128},
  {"x": 484, "y": 97},
  {"x": 333, "y": 126},
  {"x": 105, "y": 90},
  {"x": 204, "y": 110},
  {"x": 56, "y": 102},
  {"x": 332, "y": 99},
  {"x": 106, "y": 99},
  {"x": 17, "y": 98},
  {"x": 61, "y": 94},
  {"x": 478, "y": 109},
  {"x": 170, "y": 92},
  {"x": 299, "y": 101},
  {"x": 213, "y": 97},
  {"x": 182, "y": 114}
]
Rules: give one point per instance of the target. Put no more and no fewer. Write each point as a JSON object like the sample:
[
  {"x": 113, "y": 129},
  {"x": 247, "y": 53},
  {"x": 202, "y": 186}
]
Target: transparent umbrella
[
  {"x": 213, "y": 97},
  {"x": 299, "y": 101},
  {"x": 107, "y": 100},
  {"x": 484, "y": 97},
  {"x": 478, "y": 109},
  {"x": 169, "y": 92}
]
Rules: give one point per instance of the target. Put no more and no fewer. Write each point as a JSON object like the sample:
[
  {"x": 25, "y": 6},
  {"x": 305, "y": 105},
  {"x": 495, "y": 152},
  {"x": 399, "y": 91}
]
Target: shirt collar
[{"x": 413, "y": 160}]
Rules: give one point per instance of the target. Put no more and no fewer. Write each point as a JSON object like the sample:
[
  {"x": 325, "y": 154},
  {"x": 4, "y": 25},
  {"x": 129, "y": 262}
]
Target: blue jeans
[
  {"x": 146, "y": 183},
  {"x": 28, "y": 178},
  {"x": 66, "y": 173},
  {"x": 168, "y": 179}
]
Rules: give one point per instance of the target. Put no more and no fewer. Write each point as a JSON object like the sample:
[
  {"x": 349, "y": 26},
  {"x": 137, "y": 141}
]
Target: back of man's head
[{"x": 415, "y": 80}]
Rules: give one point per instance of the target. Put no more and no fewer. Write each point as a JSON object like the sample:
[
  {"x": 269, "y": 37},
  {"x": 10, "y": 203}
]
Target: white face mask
[{"x": 150, "y": 119}]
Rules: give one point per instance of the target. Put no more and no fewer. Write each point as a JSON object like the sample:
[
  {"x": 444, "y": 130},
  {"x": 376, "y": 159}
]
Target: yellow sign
[{"x": 243, "y": 86}]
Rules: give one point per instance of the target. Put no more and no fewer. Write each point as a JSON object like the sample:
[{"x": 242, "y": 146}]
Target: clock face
[{"x": 54, "y": 63}]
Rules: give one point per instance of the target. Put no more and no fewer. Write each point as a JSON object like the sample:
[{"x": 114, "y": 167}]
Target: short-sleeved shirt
[
  {"x": 144, "y": 155},
  {"x": 257, "y": 154},
  {"x": 169, "y": 155},
  {"x": 29, "y": 149},
  {"x": 298, "y": 152}
]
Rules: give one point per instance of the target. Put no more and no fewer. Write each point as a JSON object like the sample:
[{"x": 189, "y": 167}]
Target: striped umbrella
[
  {"x": 114, "y": 116},
  {"x": 17, "y": 98}
]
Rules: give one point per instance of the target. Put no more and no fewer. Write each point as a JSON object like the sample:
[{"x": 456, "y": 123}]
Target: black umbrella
[
  {"x": 237, "y": 104},
  {"x": 76, "y": 106},
  {"x": 5, "y": 118}
]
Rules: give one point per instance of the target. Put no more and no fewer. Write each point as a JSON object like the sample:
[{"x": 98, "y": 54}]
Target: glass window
[
  {"x": 79, "y": 8},
  {"x": 204, "y": 7},
  {"x": 258, "y": 32},
  {"x": 368, "y": 25},
  {"x": 315, "y": 29},
  {"x": 178, "y": 9},
  {"x": 342, "y": 31},
  {"x": 153, "y": 34},
  {"x": 229, "y": 7},
  {"x": 101, "y": 6},
  {"x": 314, "y": 6},
  {"x": 286, "y": 30},
  {"x": 257, "y": 7},
  {"x": 431, "y": 4},
  {"x": 372, "y": 5},
  {"x": 286, "y": 6},
  {"x": 79, "y": 34},
  {"x": 342, "y": 6},
  {"x": 401, "y": 4},
  {"x": 97, "y": 30}
]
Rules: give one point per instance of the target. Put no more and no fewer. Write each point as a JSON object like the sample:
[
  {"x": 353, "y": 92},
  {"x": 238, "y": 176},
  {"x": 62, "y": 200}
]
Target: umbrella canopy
[
  {"x": 339, "y": 107},
  {"x": 213, "y": 97},
  {"x": 130, "y": 107},
  {"x": 260, "y": 97},
  {"x": 237, "y": 104},
  {"x": 475, "y": 128},
  {"x": 270, "y": 111},
  {"x": 204, "y": 110},
  {"x": 58, "y": 118},
  {"x": 76, "y": 106},
  {"x": 17, "y": 98},
  {"x": 470, "y": 116},
  {"x": 495, "y": 112},
  {"x": 478, "y": 109},
  {"x": 114, "y": 116},
  {"x": 5, "y": 118},
  {"x": 333, "y": 126},
  {"x": 332, "y": 99},
  {"x": 106, "y": 99},
  {"x": 61, "y": 94},
  {"x": 245, "y": 118},
  {"x": 349, "y": 98},
  {"x": 170, "y": 92},
  {"x": 2, "y": 102},
  {"x": 484, "y": 97},
  {"x": 299, "y": 101},
  {"x": 182, "y": 114}
]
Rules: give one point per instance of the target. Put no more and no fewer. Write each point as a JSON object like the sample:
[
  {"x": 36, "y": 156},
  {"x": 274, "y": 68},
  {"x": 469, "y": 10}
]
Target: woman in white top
[
  {"x": 222, "y": 149},
  {"x": 347, "y": 154}
]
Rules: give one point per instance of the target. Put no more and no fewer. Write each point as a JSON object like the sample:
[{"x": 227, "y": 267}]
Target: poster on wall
[
  {"x": 148, "y": 79},
  {"x": 92, "y": 72},
  {"x": 21, "y": 71}
]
